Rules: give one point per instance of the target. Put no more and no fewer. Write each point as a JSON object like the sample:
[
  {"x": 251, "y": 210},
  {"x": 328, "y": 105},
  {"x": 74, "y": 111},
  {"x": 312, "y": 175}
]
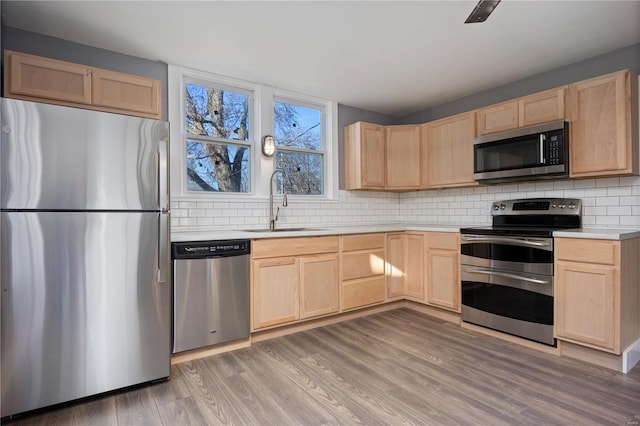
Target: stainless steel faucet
[{"x": 272, "y": 218}]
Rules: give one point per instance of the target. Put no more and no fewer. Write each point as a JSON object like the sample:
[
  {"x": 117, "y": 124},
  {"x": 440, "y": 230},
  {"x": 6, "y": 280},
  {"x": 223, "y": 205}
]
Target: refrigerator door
[
  {"x": 83, "y": 311},
  {"x": 60, "y": 158}
]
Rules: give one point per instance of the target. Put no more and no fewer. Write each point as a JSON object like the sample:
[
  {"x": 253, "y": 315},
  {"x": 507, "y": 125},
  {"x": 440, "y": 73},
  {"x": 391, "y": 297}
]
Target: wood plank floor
[{"x": 396, "y": 367}]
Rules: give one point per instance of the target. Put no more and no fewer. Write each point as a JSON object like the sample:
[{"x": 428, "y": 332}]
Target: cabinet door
[
  {"x": 395, "y": 265},
  {"x": 362, "y": 292},
  {"x": 275, "y": 291},
  {"x": 600, "y": 110},
  {"x": 32, "y": 76},
  {"x": 319, "y": 285},
  {"x": 126, "y": 92},
  {"x": 443, "y": 281},
  {"x": 541, "y": 107},
  {"x": 414, "y": 275},
  {"x": 373, "y": 156},
  {"x": 499, "y": 117},
  {"x": 450, "y": 151},
  {"x": 586, "y": 304},
  {"x": 403, "y": 157}
]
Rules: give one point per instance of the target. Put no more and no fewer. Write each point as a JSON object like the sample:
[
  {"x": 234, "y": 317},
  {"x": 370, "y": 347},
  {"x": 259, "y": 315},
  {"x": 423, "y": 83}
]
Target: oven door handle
[
  {"x": 510, "y": 241},
  {"x": 507, "y": 275}
]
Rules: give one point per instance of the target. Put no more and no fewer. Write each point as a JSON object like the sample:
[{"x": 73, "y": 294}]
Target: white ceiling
[{"x": 392, "y": 57}]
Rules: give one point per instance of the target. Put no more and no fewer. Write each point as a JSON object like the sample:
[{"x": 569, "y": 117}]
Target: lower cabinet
[
  {"x": 362, "y": 263},
  {"x": 442, "y": 270},
  {"x": 597, "y": 293},
  {"x": 405, "y": 265},
  {"x": 301, "y": 284}
]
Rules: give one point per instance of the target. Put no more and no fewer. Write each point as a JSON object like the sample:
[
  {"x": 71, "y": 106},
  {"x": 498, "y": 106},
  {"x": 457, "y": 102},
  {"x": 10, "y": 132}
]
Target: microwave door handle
[
  {"x": 542, "y": 140},
  {"x": 507, "y": 275}
]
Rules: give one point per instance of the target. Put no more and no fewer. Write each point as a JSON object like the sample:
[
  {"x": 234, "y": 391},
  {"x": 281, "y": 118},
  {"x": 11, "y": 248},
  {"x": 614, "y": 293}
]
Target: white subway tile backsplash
[{"x": 606, "y": 202}]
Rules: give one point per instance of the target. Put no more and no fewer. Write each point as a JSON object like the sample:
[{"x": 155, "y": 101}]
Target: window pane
[
  {"x": 217, "y": 167},
  {"x": 304, "y": 172},
  {"x": 216, "y": 113},
  {"x": 297, "y": 126}
]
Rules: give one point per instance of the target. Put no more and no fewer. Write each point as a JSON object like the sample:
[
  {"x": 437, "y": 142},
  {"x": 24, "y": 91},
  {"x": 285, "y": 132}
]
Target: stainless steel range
[{"x": 507, "y": 268}]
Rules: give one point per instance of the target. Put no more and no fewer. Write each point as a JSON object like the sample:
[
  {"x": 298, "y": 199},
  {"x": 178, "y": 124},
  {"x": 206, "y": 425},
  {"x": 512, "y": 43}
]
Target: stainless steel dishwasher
[{"x": 210, "y": 292}]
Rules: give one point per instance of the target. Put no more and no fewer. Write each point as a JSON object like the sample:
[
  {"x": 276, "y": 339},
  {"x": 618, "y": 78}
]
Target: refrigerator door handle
[
  {"x": 163, "y": 177},
  {"x": 164, "y": 259}
]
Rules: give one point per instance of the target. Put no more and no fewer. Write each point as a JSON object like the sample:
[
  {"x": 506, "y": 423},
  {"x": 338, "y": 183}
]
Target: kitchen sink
[{"x": 281, "y": 229}]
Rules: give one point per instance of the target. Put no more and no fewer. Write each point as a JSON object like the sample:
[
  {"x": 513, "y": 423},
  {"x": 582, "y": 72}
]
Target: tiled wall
[{"x": 611, "y": 202}]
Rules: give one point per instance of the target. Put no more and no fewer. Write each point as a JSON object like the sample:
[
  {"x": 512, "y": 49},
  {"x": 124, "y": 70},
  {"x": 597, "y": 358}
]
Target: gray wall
[
  {"x": 627, "y": 57},
  {"x": 348, "y": 115},
  {"x": 41, "y": 45}
]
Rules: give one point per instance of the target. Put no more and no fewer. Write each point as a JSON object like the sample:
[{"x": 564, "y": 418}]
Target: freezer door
[
  {"x": 83, "y": 311},
  {"x": 54, "y": 157}
]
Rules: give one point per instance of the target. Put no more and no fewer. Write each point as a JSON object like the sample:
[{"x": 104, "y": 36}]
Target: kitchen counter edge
[
  {"x": 238, "y": 234},
  {"x": 599, "y": 233}
]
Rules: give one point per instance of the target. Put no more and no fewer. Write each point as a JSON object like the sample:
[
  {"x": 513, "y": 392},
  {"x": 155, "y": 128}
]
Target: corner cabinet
[
  {"x": 597, "y": 293},
  {"x": 450, "y": 151},
  {"x": 405, "y": 266},
  {"x": 603, "y": 122},
  {"x": 382, "y": 157},
  {"x": 293, "y": 279},
  {"x": 34, "y": 78}
]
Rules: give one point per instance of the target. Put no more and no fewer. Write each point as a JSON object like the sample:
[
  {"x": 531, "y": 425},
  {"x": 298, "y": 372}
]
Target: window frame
[
  {"x": 322, "y": 108},
  {"x": 249, "y": 143},
  {"x": 261, "y": 124}
]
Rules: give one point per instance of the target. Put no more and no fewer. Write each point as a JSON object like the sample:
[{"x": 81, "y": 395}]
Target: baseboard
[
  {"x": 210, "y": 350},
  {"x": 630, "y": 357},
  {"x": 513, "y": 339},
  {"x": 449, "y": 316}
]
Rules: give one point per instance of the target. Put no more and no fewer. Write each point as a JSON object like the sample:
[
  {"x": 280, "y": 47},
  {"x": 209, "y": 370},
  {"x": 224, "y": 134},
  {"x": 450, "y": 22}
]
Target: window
[
  {"x": 300, "y": 146},
  {"x": 218, "y": 141}
]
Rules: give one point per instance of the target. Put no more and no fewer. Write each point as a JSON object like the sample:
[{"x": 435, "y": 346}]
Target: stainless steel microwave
[{"x": 527, "y": 153}]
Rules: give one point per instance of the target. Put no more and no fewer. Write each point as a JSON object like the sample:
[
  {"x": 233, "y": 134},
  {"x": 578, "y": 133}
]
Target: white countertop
[
  {"x": 599, "y": 233},
  {"x": 237, "y": 234}
]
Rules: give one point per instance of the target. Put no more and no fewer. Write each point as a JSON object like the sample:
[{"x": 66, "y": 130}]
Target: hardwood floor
[{"x": 396, "y": 367}]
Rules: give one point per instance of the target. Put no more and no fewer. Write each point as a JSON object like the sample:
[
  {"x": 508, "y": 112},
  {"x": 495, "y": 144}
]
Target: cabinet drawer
[
  {"x": 362, "y": 242},
  {"x": 587, "y": 251},
  {"x": 362, "y": 264},
  {"x": 363, "y": 292},
  {"x": 445, "y": 241},
  {"x": 293, "y": 246}
]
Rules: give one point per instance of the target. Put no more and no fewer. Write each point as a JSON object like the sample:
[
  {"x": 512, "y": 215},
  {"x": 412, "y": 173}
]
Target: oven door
[
  {"x": 520, "y": 254},
  {"x": 512, "y": 302}
]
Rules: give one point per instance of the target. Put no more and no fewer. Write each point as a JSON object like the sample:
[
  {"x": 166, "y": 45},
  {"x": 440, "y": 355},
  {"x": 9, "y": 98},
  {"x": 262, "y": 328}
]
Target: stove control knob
[
  {"x": 563, "y": 205},
  {"x": 502, "y": 207},
  {"x": 553, "y": 206},
  {"x": 496, "y": 207},
  {"x": 572, "y": 205}
]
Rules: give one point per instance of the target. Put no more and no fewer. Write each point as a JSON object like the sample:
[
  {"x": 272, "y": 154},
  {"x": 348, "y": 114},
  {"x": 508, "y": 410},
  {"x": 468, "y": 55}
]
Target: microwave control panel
[{"x": 555, "y": 150}]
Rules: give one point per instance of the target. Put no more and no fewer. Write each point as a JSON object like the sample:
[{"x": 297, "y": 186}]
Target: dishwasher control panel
[{"x": 205, "y": 249}]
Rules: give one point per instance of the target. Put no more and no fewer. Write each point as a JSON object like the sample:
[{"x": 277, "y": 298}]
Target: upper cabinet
[
  {"x": 450, "y": 151},
  {"x": 364, "y": 156},
  {"x": 403, "y": 153},
  {"x": 39, "y": 79},
  {"x": 379, "y": 157},
  {"x": 521, "y": 112},
  {"x": 601, "y": 114}
]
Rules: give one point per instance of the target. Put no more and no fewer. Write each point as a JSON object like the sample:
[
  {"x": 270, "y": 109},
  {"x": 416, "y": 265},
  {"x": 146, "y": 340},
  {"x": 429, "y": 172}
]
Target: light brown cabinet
[
  {"x": 533, "y": 109},
  {"x": 403, "y": 154},
  {"x": 364, "y": 156},
  {"x": 383, "y": 158},
  {"x": 442, "y": 270},
  {"x": 293, "y": 279},
  {"x": 596, "y": 292},
  {"x": 362, "y": 263},
  {"x": 39, "y": 79},
  {"x": 450, "y": 151},
  {"x": 405, "y": 265},
  {"x": 603, "y": 141}
]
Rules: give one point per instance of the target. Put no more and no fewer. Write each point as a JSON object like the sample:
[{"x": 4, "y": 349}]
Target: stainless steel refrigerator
[{"x": 86, "y": 298}]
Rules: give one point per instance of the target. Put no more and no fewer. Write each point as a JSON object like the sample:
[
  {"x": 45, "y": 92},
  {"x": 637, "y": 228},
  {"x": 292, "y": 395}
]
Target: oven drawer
[
  {"x": 522, "y": 297},
  {"x": 523, "y": 254}
]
